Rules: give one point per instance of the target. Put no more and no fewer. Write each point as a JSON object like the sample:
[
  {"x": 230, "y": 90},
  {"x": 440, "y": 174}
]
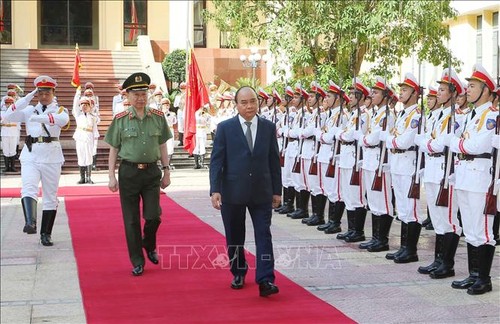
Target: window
[
  {"x": 135, "y": 20},
  {"x": 200, "y": 37},
  {"x": 226, "y": 41},
  {"x": 479, "y": 39},
  {"x": 496, "y": 47},
  {"x": 66, "y": 22},
  {"x": 5, "y": 22}
]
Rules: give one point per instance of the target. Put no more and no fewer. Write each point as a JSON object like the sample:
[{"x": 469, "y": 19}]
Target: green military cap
[{"x": 137, "y": 82}]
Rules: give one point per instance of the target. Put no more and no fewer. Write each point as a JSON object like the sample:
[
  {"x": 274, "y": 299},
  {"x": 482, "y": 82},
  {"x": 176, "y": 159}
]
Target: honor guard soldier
[
  {"x": 118, "y": 100},
  {"x": 299, "y": 178},
  {"x": 42, "y": 156},
  {"x": 10, "y": 136},
  {"x": 443, "y": 218},
  {"x": 334, "y": 102},
  {"x": 179, "y": 105},
  {"x": 138, "y": 136},
  {"x": 403, "y": 159},
  {"x": 85, "y": 133},
  {"x": 171, "y": 121},
  {"x": 380, "y": 198},
  {"x": 353, "y": 189},
  {"x": 202, "y": 118},
  {"x": 312, "y": 169},
  {"x": 288, "y": 150},
  {"x": 472, "y": 179},
  {"x": 263, "y": 97}
]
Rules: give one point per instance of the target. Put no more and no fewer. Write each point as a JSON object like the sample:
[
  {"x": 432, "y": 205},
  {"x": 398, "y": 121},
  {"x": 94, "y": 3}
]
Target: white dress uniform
[
  {"x": 353, "y": 196},
  {"x": 315, "y": 122},
  {"x": 380, "y": 202},
  {"x": 44, "y": 161},
  {"x": 472, "y": 173},
  {"x": 118, "y": 104},
  {"x": 202, "y": 124},
  {"x": 10, "y": 133},
  {"x": 402, "y": 162},
  {"x": 291, "y": 149},
  {"x": 171, "y": 121},
  {"x": 85, "y": 133},
  {"x": 304, "y": 146}
]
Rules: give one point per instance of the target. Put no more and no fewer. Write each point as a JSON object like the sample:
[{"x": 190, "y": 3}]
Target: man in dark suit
[{"x": 245, "y": 173}]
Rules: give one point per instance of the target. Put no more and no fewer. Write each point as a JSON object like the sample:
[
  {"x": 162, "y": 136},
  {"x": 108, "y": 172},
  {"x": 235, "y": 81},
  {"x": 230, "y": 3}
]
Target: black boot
[
  {"x": 314, "y": 207},
  {"x": 89, "y": 173},
  {"x": 288, "y": 206},
  {"x": 359, "y": 226},
  {"x": 197, "y": 161},
  {"x": 318, "y": 216},
  {"x": 384, "y": 226},
  {"x": 351, "y": 225},
  {"x": 337, "y": 217},
  {"x": 438, "y": 256},
  {"x": 12, "y": 162},
  {"x": 375, "y": 228},
  {"x": 6, "y": 163},
  {"x": 94, "y": 162},
  {"x": 483, "y": 283},
  {"x": 29, "y": 208},
  {"x": 331, "y": 211},
  {"x": 48, "y": 218},
  {"x": 403, "y": 242},
  {"x": 410, "y": 254},
  {"x": 282, "y": 205},
  {"x": 202, "y": 161},
  {"x": 304, "y": 205},
  {"x": 297, "y": 203},
  {"x": 82, "y": 175},
  {"x": 473, "y": 263},
  {"x": 496, "y": 224},
  {"x": 445, "y": 270}
]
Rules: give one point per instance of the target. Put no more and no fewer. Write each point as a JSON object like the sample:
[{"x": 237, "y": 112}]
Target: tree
[
  {"x": 330, "y": 39},
  {"x": 174, "y": 66}
]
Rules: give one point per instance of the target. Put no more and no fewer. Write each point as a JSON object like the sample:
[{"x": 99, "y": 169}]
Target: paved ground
[{"x": 40, "y": 284}]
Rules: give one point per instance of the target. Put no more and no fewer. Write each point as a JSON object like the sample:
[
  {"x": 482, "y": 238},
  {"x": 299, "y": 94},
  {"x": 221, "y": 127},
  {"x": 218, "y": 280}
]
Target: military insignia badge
[
  {"x": 414, "y": 123},
  {"x": 138, "y": 78},
  {"x": 456, "y": 125},
  {"x": 491, "y": 124}
]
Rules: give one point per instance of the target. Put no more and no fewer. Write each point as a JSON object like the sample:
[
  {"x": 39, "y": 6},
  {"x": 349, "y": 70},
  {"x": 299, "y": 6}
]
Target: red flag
[
  {"x": 75, "y": 80},
  {"x": 196, "y": 97},
  {"x": 133, "y": 29},
  {"x": 1, "y": 17}
]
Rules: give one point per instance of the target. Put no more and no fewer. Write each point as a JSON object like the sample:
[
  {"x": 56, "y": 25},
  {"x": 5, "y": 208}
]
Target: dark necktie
[
  {"x": 44, "y": 107},
  {"x": 248, "y": 135}
]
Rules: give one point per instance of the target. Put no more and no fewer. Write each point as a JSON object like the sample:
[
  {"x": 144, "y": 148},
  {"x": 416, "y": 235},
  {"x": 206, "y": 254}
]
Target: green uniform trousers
[{"x": 135, "y": 184}]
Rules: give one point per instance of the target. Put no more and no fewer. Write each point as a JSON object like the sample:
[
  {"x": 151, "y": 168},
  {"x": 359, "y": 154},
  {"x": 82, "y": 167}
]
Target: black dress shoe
[
  {"x": 152, "y": 256},
  {"x": 238, "y": 282},
  {"x": 267, "y": 288},
  {"x": 138, "y": 270}
]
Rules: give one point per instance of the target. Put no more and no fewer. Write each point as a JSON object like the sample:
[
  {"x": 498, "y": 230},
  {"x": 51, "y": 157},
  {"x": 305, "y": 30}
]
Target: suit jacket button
[{"x": 250, "y": 174}]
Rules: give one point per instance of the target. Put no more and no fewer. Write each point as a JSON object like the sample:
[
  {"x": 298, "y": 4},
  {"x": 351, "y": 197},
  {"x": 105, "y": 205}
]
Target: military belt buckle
[
  {"x": 39, "y": 139},
  {"x": 142, "y": 166}
]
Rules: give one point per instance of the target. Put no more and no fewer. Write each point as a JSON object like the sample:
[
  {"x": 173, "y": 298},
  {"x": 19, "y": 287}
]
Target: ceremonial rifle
[
  {"x": 313, "y": 169},
  {"x": 296, "y": 164},
  {"x": 491, "y": 199},
  {"x": 444, "y": 189},
  {"x": 330, "y": 171},
  {"x": 286, "y": 122},
  {"x": 414, "y": 192},
  {"x": 383, "y": 157}
]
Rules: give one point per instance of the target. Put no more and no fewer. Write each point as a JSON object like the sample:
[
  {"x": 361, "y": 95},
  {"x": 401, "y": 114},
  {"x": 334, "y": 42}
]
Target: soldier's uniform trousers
[
  {"x": 353, "y": 196},
  {"x": 201, "y": 140},
  {"x": 300, "y": 179},
  {"x": 290, "y": 153},
  {"x": 327, "y": 185},
  {"x": 312, "y": 181},
  {"x": 133, "y": 184},
  {"x": 10, "y": 138},
  {"x": 444, "y": 219},
  {"x": 402, "y": 168},
  {"x": 380, "y": 202}
]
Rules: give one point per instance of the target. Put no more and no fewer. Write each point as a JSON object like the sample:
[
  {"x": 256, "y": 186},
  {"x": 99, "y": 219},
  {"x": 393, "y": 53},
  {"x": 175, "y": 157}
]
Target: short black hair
[{"x": 244, "y": 87}]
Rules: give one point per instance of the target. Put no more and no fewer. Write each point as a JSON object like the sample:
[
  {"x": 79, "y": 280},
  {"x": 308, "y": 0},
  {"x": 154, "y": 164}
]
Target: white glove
[
  {"x": 495, "y": 141},
  {"x": 451, "y": 179},
  {"x": 360, "y": 163},
  {"x": 383, "y": 136},
  {"x": 386, "y": 167},
  {"x": 32, "y": 93},
  {"x": 358, "y": 135},
  {"x": 420, "y": 139},
  {"x": 39, "y": 119}
]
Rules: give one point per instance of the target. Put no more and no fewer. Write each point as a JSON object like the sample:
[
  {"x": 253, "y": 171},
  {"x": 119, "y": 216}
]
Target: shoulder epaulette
[
  {"x": 122, "y": 114},
  {"x": 157, "y": 112},
  {"x": 61, "y": 109}
]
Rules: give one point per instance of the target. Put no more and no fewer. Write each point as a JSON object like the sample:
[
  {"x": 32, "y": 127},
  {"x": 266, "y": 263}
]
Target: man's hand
[
  {"x": 216, "y": 200},
  {"x": 276, "y": 201},
  {"x": 165, "y": 180},
  {"x": 113, "y": 184}
]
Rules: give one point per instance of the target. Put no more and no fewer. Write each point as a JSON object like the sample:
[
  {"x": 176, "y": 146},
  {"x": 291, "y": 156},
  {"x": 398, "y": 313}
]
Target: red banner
[
  {"x": 75, "y": 80},
  {"x": 196, "y": 97},
  {"x": 134, "y": 20}
]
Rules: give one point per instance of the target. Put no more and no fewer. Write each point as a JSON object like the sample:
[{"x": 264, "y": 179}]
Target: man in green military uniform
[{"x": 138, "y": 136}]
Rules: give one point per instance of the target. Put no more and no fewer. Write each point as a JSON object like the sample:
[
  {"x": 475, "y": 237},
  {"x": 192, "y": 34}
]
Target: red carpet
[{"x": 187, "y": 287}]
